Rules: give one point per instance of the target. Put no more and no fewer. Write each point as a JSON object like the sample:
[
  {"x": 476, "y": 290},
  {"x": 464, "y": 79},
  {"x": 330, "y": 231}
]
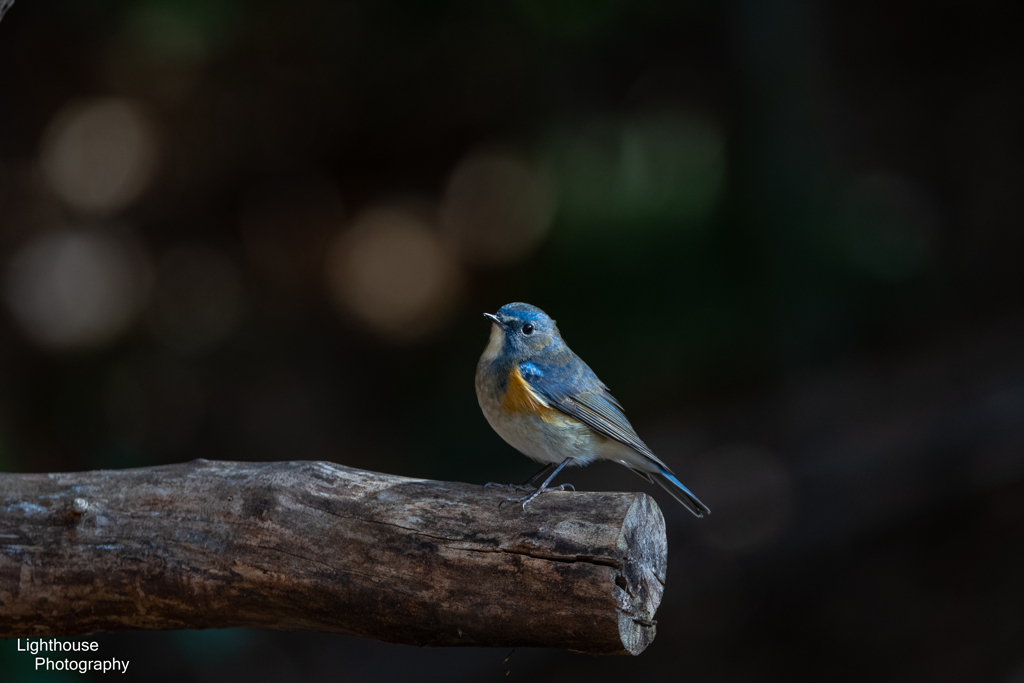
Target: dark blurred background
[{"x": 788, "y": 235}]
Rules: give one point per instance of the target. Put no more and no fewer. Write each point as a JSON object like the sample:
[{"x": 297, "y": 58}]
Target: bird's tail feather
[{"x": 668, "y": 481}]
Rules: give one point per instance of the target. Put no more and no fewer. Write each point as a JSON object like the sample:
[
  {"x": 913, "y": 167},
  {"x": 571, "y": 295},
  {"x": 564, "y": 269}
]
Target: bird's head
[{"x": 519, "y": 331}]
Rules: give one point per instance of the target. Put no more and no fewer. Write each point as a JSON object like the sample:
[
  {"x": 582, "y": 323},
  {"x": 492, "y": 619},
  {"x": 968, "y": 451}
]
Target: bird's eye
[{"x": 527, "y": 328}]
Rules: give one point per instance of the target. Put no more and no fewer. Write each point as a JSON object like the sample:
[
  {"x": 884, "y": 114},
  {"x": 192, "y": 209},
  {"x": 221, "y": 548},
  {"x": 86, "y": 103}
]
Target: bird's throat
[{"x": 494, "y": 344}]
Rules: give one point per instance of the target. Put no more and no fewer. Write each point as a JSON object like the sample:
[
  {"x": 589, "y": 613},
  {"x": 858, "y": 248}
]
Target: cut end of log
[{"x": 641, "y": 583}]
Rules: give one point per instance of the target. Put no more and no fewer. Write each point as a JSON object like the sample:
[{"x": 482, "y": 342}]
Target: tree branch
[{"x": 318, "y": 546}]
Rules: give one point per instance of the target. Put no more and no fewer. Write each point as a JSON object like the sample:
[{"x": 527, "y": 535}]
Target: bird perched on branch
[{"x": 550, "y": 406}]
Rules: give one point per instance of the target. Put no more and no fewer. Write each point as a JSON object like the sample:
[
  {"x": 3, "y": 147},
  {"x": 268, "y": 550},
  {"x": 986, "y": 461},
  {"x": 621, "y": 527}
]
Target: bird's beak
[{"x": 492, "y": 317}]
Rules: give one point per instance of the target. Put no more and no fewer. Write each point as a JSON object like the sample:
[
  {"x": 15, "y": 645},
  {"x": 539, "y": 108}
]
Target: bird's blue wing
[
  {"x": 574, "y": 389},
  {"x": 569, "y": 385}
]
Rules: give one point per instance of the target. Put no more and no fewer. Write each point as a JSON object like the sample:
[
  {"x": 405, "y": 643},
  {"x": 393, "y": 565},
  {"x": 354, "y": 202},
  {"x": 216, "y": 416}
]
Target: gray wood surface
[{"x": 321, "y": 547}]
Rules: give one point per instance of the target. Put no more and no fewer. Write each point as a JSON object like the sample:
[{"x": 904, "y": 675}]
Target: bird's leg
[
  {"x": 530, "y": 483},
  {"x": 543, "y": 488}
]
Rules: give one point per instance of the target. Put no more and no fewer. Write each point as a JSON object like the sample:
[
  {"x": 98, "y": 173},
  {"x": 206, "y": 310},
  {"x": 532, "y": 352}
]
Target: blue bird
[{"x": 551, "y": 407}]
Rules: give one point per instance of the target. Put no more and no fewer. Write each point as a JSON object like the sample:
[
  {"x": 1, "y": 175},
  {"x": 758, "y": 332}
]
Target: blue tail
[{"x": 668, "y": 481}]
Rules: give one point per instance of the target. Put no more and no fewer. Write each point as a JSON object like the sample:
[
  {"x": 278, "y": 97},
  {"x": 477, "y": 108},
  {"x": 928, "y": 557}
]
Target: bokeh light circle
[
  {"x": 497, "y": 208},
  {"x": 393, "y": 273},
  {"x": 99, "y": 156},
  {"x": 75, "y": 288}
]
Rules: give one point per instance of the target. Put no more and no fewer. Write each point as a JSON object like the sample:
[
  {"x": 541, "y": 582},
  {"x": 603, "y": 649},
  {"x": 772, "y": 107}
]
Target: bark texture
[{"x": 318, "y": 546}]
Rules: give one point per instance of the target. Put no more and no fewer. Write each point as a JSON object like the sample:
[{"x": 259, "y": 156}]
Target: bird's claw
[{"x": 544, "y": 489}]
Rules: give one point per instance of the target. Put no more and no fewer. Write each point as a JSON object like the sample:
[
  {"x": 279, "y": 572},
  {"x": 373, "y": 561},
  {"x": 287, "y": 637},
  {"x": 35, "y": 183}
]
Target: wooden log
[{"x": 322, "y": 547}]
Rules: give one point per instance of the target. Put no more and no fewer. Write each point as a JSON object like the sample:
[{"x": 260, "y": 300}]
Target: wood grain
[{"x": 322, "y": 547}]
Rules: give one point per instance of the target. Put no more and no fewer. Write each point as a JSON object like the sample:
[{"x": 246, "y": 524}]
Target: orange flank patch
[{"x": 520, "y": 398}]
